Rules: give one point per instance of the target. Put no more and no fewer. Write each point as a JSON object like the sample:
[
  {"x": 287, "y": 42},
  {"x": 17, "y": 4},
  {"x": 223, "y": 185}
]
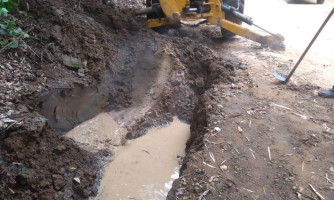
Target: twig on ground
[
  {"x": 209, "y": 165},
  {"x": 316, "y": 192},
  {"x": 252, "y": 153},
  {"x": 212, "y": 156},
  {"x": 203, "y": 195},
  {"x": 251, "y": 191},
  {"x": 280, "y": 106},
  {"x": 307, "y": 196},
  {"x": 210, "y": 153},
  {"x": 269, "y": 153},
  {"x": 329, "y": 180}
]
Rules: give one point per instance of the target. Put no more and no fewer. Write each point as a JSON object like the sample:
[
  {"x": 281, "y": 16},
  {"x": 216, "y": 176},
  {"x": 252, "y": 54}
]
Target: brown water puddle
[{"x": 145, "y": 168}]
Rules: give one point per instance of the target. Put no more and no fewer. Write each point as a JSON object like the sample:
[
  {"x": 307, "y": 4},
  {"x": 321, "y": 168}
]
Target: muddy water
[{"x": 145, "y": 168}]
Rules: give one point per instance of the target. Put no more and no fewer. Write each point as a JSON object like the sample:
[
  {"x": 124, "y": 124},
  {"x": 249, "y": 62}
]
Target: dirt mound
[
  {"x": 74, "y": 50},
  {"x": 43, "y": 163}
]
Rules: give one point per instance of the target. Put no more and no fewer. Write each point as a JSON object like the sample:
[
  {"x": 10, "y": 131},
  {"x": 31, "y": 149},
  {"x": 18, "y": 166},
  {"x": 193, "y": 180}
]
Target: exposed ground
[{"x": 252, "y": 138}]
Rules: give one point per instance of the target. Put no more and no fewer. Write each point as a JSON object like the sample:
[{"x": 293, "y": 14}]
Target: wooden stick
[
  {"x": 316, "y": 192},
  {"x": 269, "y": 153}
]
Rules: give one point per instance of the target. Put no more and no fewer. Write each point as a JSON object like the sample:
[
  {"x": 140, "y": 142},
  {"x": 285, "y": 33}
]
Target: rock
[
  {"x": 59, "y": 149},
  {"x": 84, "y": 63},
  {"x": 199, "y": 171},
  {"x": 146, "y": 124},
  {"x": 71, "y": 62},
  {"x": 220, "y": 106},
  {"x": 58, "y": 182},
  {"x": 39, "y": 73},
  {"x": 219, "y": 186},
  {"x": 30, "y": 77},
  {"x": 229, "y": 183},
  {"x": 81, "y": 72},
  {"x": 9, "y": 112},
  {"x": 179, "y": 192},
  {"x": 239, "y": 129},
  {"x": 331, "y": 169},
  {"x": 60, "y": 12},
  {"x": 22, "y": 108},
  {"x": 217, "y": 129},
  {"x": 175, "y": 83},
  {"x": 197, "y": 189},
  {"x": 172, "y": 33},
  {"x": 1, "y": 124},
  {"x": 242, "y": 67},
  {"x": 199, "y": 82},
  {"x": 72, "y": 169},
  {"x": 21, "y": 179},
  {"x": 76, "y": 180},
  {"x": 56, "y": 33},
  {"x": 223, "y": 167}
]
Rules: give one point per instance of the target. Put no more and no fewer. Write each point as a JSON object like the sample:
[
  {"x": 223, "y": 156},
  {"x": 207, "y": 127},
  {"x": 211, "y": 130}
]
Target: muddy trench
[
  {"x": 133, "y": 83},
  {"x": 162, "y": 87}
]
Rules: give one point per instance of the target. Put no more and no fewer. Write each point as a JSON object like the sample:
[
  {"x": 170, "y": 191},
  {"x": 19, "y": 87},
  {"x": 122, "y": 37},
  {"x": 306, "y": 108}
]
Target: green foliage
[
  {"x": 39, "y": 18},
  {"x": 11, "y": 34},
  {"x": 3, "y": 12},
  {"x": 7, "y": 6}
]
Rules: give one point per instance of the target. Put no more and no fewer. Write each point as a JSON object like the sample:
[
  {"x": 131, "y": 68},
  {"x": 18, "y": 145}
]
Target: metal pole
[{"x": 309, "y": 46}]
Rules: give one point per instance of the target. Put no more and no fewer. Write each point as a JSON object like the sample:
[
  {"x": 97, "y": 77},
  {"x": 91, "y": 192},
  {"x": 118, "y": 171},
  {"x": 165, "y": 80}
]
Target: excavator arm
[{"x": 175, "y": 11}]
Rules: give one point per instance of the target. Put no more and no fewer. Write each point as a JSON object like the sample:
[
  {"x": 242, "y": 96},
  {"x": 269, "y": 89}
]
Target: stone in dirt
[
  {"x": 56, "y": 33},
  {"x": 59, "y": 149},
  {"x": 71, "y": 62},
  {"x": 58, "y": 182}
]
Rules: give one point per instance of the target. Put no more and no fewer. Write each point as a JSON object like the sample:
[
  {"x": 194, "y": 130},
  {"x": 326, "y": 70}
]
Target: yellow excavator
[{"x": 227, "y": 14}]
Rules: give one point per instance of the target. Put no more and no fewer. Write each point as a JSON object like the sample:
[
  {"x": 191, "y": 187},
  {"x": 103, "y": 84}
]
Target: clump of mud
[{"x": 44, "y": 164}]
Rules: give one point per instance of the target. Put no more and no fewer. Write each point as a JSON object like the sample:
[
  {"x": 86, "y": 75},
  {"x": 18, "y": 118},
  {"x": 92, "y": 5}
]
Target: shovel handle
[{"x": 309, "y": 46}]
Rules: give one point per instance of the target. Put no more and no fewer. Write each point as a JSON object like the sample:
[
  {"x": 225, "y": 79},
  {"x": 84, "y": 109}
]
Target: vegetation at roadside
[{"x": 11, "y": 34}]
